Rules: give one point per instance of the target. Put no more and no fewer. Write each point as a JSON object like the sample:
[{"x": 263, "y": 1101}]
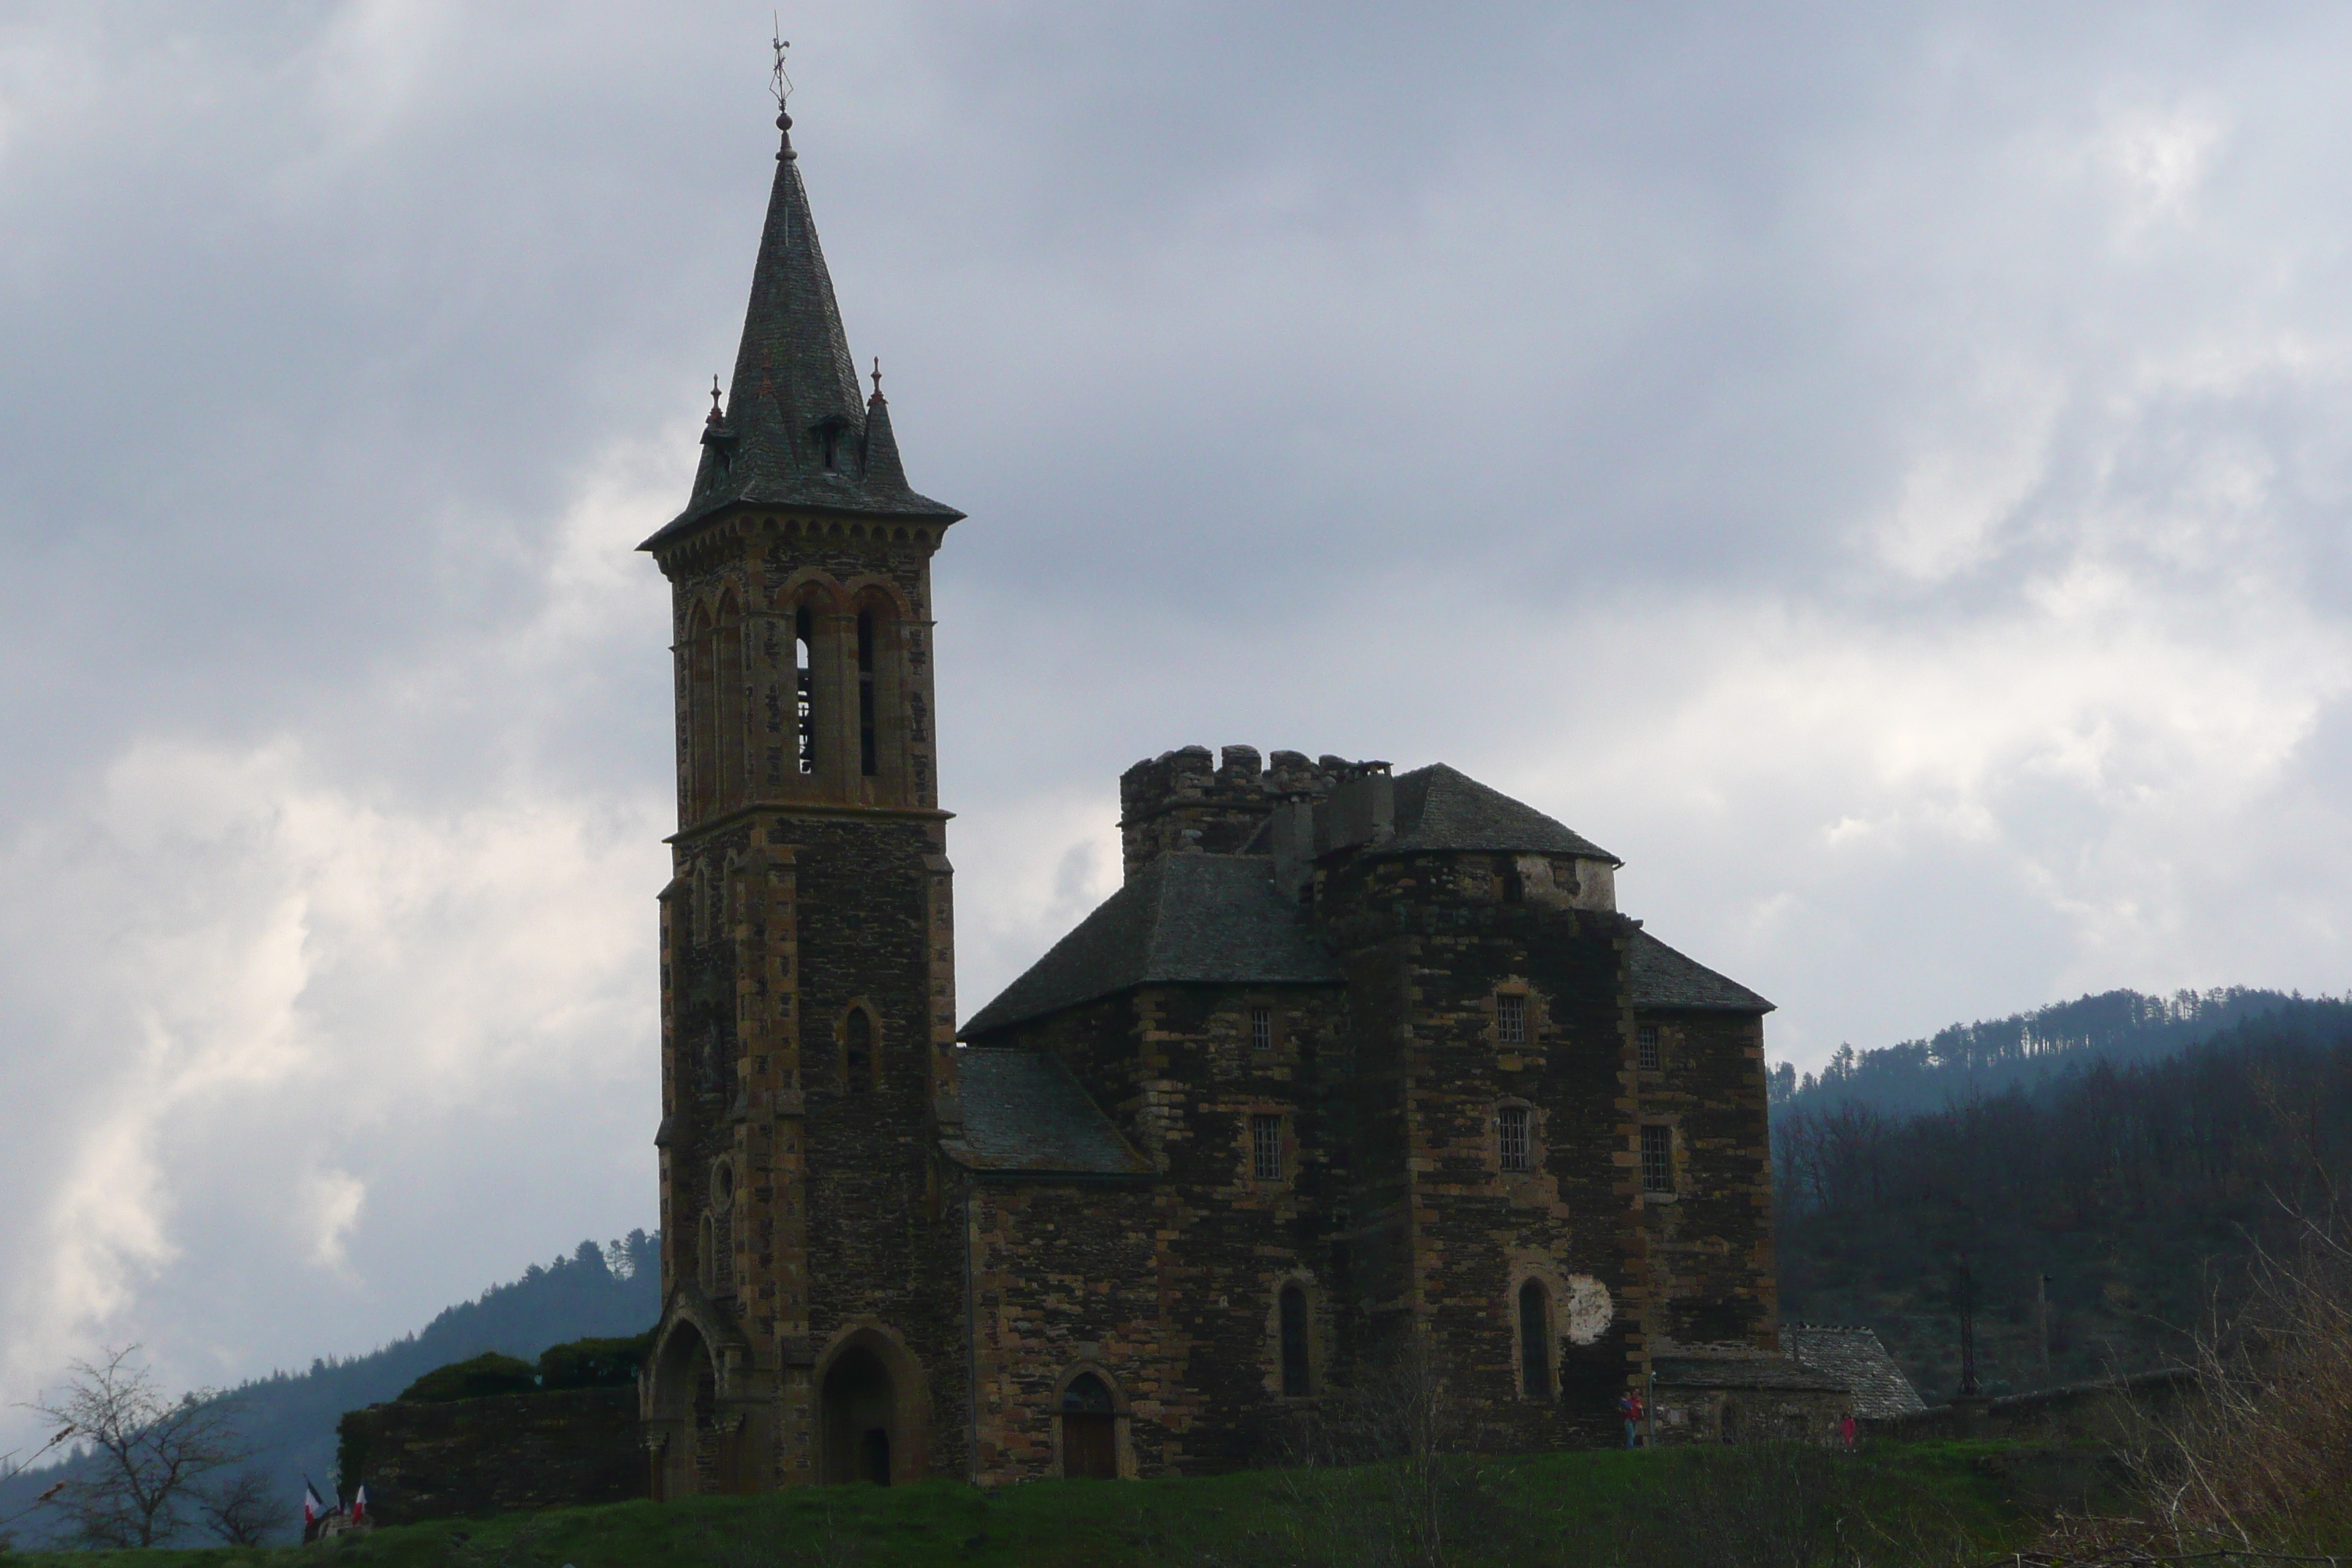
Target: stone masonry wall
[
  {"x": 1709, "y": 1240},
  {"x": 472, "y": 1458},
  {"x": 1432, "y": 945}
]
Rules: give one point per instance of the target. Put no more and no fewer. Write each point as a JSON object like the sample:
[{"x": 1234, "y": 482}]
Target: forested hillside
[
  {"x": 2138, "y": 1189},
  {"x": 1971, "y": 1061},
  {"x": 289, "y": 1417}
]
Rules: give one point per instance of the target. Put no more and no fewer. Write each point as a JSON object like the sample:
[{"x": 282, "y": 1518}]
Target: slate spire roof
[{"x": 796, "y": 430}]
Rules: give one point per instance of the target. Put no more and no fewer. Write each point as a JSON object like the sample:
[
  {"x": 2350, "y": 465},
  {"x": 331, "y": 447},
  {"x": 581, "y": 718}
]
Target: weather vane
[{"x": 780, "y": 86}]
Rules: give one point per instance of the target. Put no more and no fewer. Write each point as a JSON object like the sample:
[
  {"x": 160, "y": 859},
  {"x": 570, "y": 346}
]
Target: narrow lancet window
[
  {"x": 804, "y": 687},
  {"x": 1646, "y": 1040},
  {"x": 868, "y": 762},
  {"x": 857, "y": 1053},
  {"x": 1511, "y": 1020},
  {"x": 1535, "y": 1342},
  {"x": 1296, "y": 1381},
  {"x": 1261, "y": 1028}
]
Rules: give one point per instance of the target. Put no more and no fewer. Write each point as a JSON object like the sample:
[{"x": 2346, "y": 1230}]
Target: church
[{"x": 1357, "y": 1069}]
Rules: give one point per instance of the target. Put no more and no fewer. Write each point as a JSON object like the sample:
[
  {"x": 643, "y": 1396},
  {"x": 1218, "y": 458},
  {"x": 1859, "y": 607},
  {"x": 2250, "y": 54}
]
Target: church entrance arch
[
  {"x": 685, "y": 1411},
  {"x": 869, "y": 1412}
]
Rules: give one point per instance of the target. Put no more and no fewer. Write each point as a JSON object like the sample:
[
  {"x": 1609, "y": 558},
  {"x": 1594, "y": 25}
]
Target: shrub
[
  {"x": 486, "y": 1373},
  {"x": 594, "y": 1363}
]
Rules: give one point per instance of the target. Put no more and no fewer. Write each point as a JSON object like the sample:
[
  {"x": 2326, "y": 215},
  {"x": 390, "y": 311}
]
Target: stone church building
[{"x": 1357, "y": 1069}]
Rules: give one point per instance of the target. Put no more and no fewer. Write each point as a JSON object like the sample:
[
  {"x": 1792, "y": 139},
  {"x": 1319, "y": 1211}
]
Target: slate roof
[
  {"x": 1184, "y": 918},
  {"x": 1022, "y": 1112},
  {"x": 1438, "y": 807},
  {"x": 1725, "y": 1372},
  {"x": 1662, "y": 977},
  {"x": 794, "y": 380},
  {"x": 1855, "y": 1359}
]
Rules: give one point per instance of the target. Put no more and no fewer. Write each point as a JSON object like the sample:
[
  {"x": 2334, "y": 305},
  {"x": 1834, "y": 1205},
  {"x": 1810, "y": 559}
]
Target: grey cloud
[{"x": 1880, "y": 467}]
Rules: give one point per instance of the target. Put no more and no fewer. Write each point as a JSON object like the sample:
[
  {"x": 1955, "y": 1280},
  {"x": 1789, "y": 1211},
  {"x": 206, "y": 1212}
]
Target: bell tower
[{"x": 811, "y": 1273}]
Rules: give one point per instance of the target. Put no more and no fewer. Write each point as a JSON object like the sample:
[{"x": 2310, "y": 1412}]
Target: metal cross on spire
[
  {"x": 780, "y": 86},
  {"x": 877, "y": 375}
]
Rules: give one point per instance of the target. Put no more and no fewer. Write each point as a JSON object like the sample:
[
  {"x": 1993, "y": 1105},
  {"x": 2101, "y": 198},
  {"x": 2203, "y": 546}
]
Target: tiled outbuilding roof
[
  {"x": 1022, "y": 1112},
  {"x": 1184, "y": 919},
  {"x": 1662, "y": 977},
  {"x": 1438, "y": 807},
  {"x": 797, "y": 431},
  {"x": 1856, "y": 1358},
  {"x": 1726, "y": 1372}
]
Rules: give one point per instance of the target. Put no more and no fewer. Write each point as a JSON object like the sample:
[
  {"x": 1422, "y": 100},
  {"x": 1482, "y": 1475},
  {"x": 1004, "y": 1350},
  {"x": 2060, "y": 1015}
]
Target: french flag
[
  {"x": 312, "y": 1507},
  {"x": 359, "y": 1504}
]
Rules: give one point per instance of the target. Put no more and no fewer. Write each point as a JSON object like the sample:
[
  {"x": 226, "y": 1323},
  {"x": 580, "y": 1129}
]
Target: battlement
[{"x": 1187, "y": 801}]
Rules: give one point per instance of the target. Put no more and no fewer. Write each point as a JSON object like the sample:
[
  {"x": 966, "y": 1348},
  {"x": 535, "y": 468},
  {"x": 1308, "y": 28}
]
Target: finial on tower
[
  {"x": 877, "y": 375},
  {"x": 780, "y": 87},
  {"x": 714, "y": 418}
]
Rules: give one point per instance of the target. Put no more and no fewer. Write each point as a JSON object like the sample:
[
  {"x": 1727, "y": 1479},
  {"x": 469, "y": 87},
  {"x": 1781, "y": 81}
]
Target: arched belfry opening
[{"x": 864, "y": 1438}]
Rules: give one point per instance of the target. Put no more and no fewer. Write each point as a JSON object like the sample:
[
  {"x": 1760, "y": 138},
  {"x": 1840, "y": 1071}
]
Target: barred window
[
  {"x": 1511, "y": 1020},
  {"x": 1261, "y": 1028},
  {"x": 1511, "y": 1137},
  {"x": 1266, "y": 1147},
  {"x": 1645, "y": 1043},
  {"x": 1657, "y": 1158}
]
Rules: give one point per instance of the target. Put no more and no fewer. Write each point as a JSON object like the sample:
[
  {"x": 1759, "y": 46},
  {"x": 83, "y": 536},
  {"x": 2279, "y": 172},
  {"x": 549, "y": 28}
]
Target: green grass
[{"x": 1957, "y": 1501}]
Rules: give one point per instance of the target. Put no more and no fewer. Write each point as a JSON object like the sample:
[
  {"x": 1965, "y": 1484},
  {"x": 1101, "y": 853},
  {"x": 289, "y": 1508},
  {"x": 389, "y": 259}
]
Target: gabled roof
[
  {"x": 1438, "y": 807},
  {"x": 1184, "y": 919},
  {"x": 1023, "y": 1111},
  {"x": 1661, "y": 977},
  {"x": 1855, "y": 1357},
  {"x": 795, "y": 392}
]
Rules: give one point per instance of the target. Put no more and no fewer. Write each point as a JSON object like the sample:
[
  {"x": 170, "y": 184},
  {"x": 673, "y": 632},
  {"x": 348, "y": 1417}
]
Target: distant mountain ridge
[
  {"x": 289, "y": 1417},
  {"x": 1967, "y": 1062}
]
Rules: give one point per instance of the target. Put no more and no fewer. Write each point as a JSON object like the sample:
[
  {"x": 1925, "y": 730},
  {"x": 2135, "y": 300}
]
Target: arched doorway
[
  {"x": 685, "y": 1408},
  {"x": 860, "y": 1414},
  {"x": 1090, "y": 1430}
]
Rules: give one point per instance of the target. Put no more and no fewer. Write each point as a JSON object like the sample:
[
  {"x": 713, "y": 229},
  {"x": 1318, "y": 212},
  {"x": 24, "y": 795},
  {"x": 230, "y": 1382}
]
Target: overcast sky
[{"x": 1880, "y": 468}]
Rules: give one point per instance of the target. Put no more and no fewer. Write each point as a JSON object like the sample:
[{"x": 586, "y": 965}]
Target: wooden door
[{"x": 1090, "y": 1446}]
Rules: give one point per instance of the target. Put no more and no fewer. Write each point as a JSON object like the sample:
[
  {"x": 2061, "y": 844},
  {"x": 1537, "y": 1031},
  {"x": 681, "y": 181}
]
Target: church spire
[{"x": 794, "y": 429}]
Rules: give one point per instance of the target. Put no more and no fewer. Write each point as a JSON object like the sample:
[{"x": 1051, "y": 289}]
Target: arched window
[
  {"x": 1090, "y": 1430},
  {"x": 857, "y": 1050},
  {"x": 1511, "y": 1140},
  {"x": 1297, "y": 1370},
  {"x": 868, "y": 757},
  {"x": 804, "y": 687},
  {"x": 1534, "y": 1340}
]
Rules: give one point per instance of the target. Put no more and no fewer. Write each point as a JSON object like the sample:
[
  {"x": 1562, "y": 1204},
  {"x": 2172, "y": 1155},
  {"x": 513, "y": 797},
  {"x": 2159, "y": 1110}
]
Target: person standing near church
[{"x": 1630, "y": 1407}]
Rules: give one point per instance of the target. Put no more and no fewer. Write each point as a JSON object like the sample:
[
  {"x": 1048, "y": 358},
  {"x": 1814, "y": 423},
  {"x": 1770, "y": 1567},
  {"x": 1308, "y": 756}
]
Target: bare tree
[
  {"x": 147, "y": 1455},
  {"x": 242, "y": 1510}
]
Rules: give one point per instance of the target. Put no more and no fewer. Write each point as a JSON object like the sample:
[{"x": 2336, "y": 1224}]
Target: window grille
[
  {"x": 1657, "y": 1158},
  {"x": 1511, "y": 1020},
  {"x": 1261, "y": 1028},
  {"x": 1511, "y": 1127},
  {"x": 1645, "y": 1041},
  {"x": 1266, "y": 1147}
]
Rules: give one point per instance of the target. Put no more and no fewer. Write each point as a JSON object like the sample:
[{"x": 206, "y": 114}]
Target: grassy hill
[{"x": 1721, "y": 1507}]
